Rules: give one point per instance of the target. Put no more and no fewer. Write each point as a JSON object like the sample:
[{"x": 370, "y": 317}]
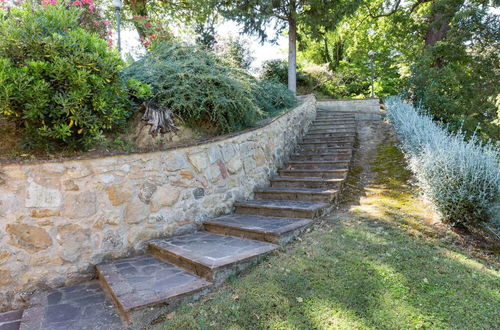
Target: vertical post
[
  {"x": 118, "y": 6},
  {"x": 371, "y": 53}
]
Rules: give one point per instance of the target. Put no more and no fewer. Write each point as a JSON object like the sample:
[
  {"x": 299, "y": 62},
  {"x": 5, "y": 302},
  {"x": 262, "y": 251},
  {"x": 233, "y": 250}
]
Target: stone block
[
  {"x": 199, "y": 161},
  {"x": 42, "y": 197},
  {"x": 29, "y": 238},
  {"x": 80, "y": 205},
  {"x": 164, "y": 197}
]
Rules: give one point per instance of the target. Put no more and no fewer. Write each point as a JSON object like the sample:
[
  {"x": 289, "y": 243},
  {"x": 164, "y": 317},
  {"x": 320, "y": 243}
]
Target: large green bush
[
  {"x": 58, "y": 82},
  {"x": 204, "y": 89}
]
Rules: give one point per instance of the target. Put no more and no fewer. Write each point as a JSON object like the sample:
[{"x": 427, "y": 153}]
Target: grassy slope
[{"x": 381, "y": 264}]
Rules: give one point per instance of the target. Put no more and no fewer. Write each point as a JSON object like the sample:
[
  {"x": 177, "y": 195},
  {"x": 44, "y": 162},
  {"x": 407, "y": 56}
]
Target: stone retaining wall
[{"x": 59, "y": 219}]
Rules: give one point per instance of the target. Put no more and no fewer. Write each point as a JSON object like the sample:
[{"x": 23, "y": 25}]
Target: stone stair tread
[
  {"x": 321, "y": 191},
  {"x": 142, "y": 281},
  {"x": 11, "y": 320},
  {"x": 280, "y": 204},
  {"x": 317, "y": 161},
  {"x": 341, "y": 170},
  {"x": 306, "y": 179},
  {"x": 212, "y": 250},
  {"x": 82, "y": 306},
  {"x": 319, "y": 154},
  {"x": 259, "y": 224}
]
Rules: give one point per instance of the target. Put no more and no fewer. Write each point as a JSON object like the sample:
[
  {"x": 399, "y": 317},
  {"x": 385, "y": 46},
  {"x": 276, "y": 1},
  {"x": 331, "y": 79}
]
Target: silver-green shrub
[{"x": 460, "y": 177}]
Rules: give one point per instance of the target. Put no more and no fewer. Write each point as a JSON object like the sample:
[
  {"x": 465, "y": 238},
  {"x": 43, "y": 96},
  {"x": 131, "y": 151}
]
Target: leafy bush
[
  {"x": 275, "y": 70},
  {"x": 461, "y": 178},
  {"x": 202, "y": 88},
  {"x": 58, "y": 82}
]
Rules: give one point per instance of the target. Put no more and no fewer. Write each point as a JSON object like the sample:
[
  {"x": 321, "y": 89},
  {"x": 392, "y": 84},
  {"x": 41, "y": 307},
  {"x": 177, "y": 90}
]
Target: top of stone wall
[{"x": 302, "y": 99}]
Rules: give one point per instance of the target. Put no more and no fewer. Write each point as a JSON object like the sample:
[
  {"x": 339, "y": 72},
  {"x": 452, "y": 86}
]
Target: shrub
[
  {"x": 202, "y": 88},
  {"x": 461, "y": 178},
  {"x": 58, "y": 82}
]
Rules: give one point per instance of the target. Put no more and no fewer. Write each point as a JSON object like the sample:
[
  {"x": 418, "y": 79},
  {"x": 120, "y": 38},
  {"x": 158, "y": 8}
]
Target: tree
[{"x": 256, "y": 16}]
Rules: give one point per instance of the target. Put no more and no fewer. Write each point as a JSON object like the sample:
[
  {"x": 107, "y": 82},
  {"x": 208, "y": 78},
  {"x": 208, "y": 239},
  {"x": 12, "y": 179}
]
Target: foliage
[
  {"x": 59, "y": 82},
  {"x": 204, "y": 89},
  {"x": 457, "y": 78},
  {"x": 274, "y": 70},
  {"x": 461, "y": 178},
  {"x": 235, "y": 49},
  {"x": 310, "y": 77}
]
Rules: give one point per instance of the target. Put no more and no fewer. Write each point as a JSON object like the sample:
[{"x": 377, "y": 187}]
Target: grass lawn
[{"x": 382, "y": 262}]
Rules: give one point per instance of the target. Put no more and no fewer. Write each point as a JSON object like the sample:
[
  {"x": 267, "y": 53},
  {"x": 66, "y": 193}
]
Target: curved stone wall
[{"x": 59, "y": 219}]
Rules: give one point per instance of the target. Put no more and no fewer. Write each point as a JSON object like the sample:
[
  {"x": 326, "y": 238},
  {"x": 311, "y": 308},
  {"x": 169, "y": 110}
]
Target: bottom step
[
  {"x": 82, "y": 306},
  {"x": 11, "y": 320},
  {"x": 143, "y": 287}
]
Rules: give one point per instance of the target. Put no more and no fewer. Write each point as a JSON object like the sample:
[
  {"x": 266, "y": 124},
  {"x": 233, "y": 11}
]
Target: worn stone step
[
  {"x": 311, "y": 182},
  {"x": 77, "y": 307},
  {"x": 328, "y": 134},
  {"x": 328, "y": 128},
  {"x": 334, "y": 117},
  {"x": 144, "y": 287},
  {"x": 267, "y": 229},
  {"x": 318, "y": 164},
  {"x": 11, "y": 320},
  {"x": 281, "y": 208},
  {"x": 331, "y": 139},
  {"x": 328, "y": 144},
  {"x": 321, "y": 156},
  {"x": 331, "y": 174},
  {"x": 315, "y": 148},
  {"x": 332, "y": 126},
  {"x": 323, "y": 128},
  {"x": 325, "y": 195},
  {"x": 341, "y": 121},
  {"x": 212, "y": 256}
]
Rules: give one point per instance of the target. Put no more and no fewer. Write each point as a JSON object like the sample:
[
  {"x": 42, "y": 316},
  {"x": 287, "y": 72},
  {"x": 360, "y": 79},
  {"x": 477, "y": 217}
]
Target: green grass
[{"x": 383, "y": 264}]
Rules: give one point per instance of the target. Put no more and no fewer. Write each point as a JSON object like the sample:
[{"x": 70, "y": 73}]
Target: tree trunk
[{"x": 292, "y": 55}]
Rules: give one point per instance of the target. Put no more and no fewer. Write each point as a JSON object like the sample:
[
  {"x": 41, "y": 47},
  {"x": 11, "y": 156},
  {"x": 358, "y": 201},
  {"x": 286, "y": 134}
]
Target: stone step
[
  {"x": 338, "y": 121},
  {"x": 330, "y": 174},
  {"x": 321, "y": 156},
  {"x": 332, "y": 126},
  {"x": 82, "y": 306},
  {"x": 212, "y": 256},
  {"x": 330, "y": 132},
  {"x": 267, "y": 229},
  {"x": 332, "y": 139},
  {"x": 322, "y": 128},
  {"x": 326, "y": 116},
  {"x": 281, "y": 208},
  {"x": 331, "y": 135},
  {"x": 11, "y": 320},
  {"x": 315, "y": 148},
  {"x": 298, "y": 194},
  {"x": 317, "y": 164},
  {"x": 329, "y": 144},
  {"x": 144, "y": 287},
  {"x": 311, "y": 182}
]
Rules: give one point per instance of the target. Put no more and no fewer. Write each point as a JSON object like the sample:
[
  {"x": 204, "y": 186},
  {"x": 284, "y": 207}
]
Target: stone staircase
[{"x": 132, "y": 292}]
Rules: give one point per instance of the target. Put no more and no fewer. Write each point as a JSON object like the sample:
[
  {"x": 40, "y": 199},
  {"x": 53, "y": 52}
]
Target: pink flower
[
  {"x": 91, "y": 8},
  {"x": 106, "y": 22},
  {"x": 78, "y": 3}
]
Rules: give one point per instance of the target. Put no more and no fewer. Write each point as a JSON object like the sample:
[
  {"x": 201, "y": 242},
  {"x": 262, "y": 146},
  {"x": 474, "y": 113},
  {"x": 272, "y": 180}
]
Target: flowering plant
[{"x": 151, "y": 30}]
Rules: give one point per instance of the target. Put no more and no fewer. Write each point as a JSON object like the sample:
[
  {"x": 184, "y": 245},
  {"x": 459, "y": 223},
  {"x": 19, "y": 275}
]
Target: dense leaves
[
  {"x": 204, "y": 89},
  {"x": 462, "y": 179},
  {"x": 58, "y": 82}
]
